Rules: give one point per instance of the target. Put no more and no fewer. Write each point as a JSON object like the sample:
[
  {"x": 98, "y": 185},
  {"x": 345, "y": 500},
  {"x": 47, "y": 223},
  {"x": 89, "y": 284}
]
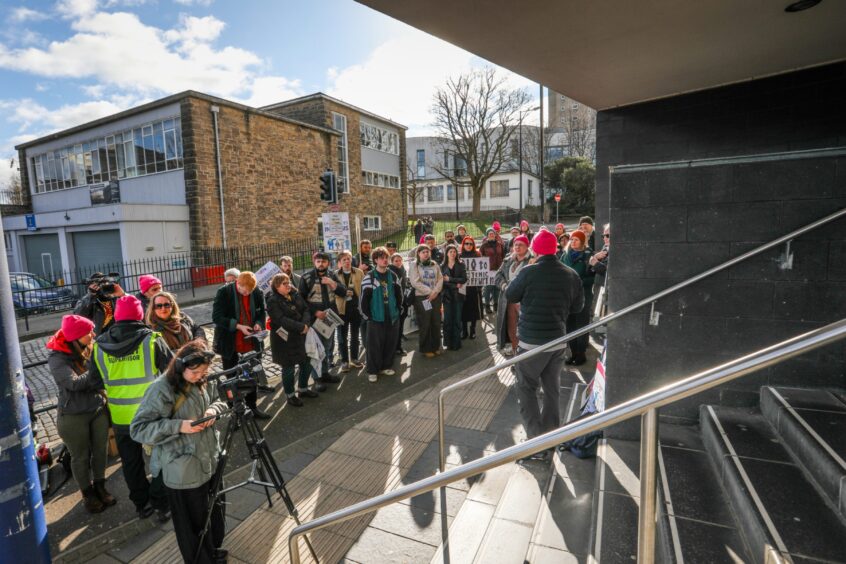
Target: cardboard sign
[
  {"x": 336, "y": 232},
  {"x": 265, "y": 274},
  {"x": 478, "y": 271}
]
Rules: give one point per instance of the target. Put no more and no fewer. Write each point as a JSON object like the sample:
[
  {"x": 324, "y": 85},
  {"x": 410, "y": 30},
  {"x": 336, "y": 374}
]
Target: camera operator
[
  {"x": 238, "y": 312},
  {"x": 127, "y": 358},
  {"x": 185, "y": 457},
  {"x": 99, "y": 304}
]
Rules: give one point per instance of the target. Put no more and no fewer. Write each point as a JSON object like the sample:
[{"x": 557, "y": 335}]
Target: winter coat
[
  {"x": 311, "y": 278},
  {"x": 495, "y": 251},
  {"x": 585, "y": 271},
  {"x": 292, "y": 315},
  {"x": 123, "y": 338},
  {"x": 504, "y": 276},
  {"x": 145, "y": 301},
  {"x": 548, "y": 292},
  {"x": 362, "y": 259},
  {"x": 369, "y": 286},
  {"x": 457, "y": 275},
  {"x": 78, "y": 393},
  {"x": 193, "y": 329},
  {"x": 415, "y": 276},
  {"x": 89, "y": 306},
  {"x": 356, "y": 276},
  {"x": 184, "y": 460},
  {"x": 226, "y": 315}
]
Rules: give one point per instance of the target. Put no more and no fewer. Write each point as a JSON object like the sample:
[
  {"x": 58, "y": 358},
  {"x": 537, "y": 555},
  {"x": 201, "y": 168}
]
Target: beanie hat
[
  {"x": 561, "y": 225},
  {"x": 586, "y": 219},
  {"x": 515, "y": 228},
  {"x": 76, "y": 326},
  {"x": 544, "y": 243},
  {"x": 146, "y": 281},
  {"x": 496, "y": 226},
  {"x": 129, "y": 308},
  {"x": 579, "y": 234},
  {"x": 522, "y": 239},
  {"x": 522, "y": 223},
  {"x": 489, "y": 230}
]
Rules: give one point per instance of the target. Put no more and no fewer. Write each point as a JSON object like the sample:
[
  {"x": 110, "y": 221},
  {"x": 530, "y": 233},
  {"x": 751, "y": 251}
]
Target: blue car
[{"x": 33, "y": 294}]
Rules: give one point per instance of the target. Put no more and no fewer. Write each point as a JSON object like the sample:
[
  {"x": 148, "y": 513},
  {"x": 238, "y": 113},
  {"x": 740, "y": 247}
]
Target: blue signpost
[{"x": 23, "y": 526}]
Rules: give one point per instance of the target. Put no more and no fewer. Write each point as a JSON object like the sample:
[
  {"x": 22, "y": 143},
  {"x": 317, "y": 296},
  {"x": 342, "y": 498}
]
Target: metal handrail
[
  {"x": 646, "y": 406},
  {"x": 609, "y": 318}
]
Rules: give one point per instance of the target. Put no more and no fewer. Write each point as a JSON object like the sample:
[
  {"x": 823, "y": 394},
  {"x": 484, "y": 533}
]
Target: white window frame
[
  {"x": 343, "y": 144},
  {"x": 371, "y": 222},
  {"x": 380, "y": 179},
  {"x": 499, "y": 184}
]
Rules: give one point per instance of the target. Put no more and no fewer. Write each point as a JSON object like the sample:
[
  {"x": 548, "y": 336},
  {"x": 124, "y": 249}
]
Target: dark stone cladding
[{"x": 669, "y": 224}]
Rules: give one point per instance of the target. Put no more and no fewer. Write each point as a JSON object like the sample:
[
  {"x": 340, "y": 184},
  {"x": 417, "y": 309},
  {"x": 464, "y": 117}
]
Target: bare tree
[
  {"x": 579, "y": 124},
  {"x": 475, "y": 116},
  {"x": 413, "y": 189}
]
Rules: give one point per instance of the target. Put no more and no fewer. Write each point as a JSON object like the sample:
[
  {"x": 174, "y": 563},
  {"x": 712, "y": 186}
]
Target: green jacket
[
  {"x": 185, "y": 461},
  {"x": 585, "y": 271}
]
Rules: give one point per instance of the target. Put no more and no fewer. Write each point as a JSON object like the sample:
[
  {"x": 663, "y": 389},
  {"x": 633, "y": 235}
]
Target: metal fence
[
  {"x": 505, "y": 215},
  {"x": 34, "y": 295}
]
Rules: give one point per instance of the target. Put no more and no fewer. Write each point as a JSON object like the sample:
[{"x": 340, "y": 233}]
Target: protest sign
[
  {"x": 478, "y": 271},
  {"x": 336, "y": 232},
  {"x": 265, "y": 274}
]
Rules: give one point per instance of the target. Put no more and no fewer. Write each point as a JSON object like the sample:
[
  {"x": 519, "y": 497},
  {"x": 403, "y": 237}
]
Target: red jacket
[{"x": 495, "y": 251}]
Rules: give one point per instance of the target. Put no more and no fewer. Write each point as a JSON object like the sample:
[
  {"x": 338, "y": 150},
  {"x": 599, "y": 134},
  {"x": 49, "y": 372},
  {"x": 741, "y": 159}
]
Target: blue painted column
[{"x": 23, "y": 526}]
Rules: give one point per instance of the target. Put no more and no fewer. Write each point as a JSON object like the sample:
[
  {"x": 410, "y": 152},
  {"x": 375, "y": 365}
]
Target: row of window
[
  {"x": 498, "y": 189},
  {"x": 151, "y": 148},
  {"x": 380, "y": 179},
  {"x": 371, "y": 222},
  {"x": 459, "y": 164},
  {"x": 380, "y": 139}
]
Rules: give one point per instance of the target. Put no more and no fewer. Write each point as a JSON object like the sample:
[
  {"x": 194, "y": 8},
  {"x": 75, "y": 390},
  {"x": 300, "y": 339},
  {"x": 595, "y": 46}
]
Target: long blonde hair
[{"x": 151, "y": 317}]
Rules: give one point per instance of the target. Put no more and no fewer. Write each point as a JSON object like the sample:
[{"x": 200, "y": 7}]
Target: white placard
[
  {"x": 478, "y": 271},
  {"x": 265, "y": 274},
  {"x": 336, "y": 232}
]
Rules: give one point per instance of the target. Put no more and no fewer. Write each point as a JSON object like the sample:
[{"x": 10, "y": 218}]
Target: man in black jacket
[
  {"x": 237, "y": 313},
  {"x": 98, "y": 304},
  {"x": 316, "y": 287},
  {"x": 547, "y": 292}
]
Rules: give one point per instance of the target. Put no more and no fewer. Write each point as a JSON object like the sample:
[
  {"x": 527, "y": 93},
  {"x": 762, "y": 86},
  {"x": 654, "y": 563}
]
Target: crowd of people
[{"x": 137, "y": 363}]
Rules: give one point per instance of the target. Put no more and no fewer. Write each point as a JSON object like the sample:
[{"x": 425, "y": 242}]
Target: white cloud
[
  {"x": 24, "y": 14},
  {"x": 265, "y": 90},
  {"x": 204, "y": 3},
  {"x": 399, "y": 78},
  {"x": 76, "y": 8}
]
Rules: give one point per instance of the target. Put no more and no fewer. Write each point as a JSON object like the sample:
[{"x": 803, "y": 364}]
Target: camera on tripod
[{"x": 242, "y": 376}]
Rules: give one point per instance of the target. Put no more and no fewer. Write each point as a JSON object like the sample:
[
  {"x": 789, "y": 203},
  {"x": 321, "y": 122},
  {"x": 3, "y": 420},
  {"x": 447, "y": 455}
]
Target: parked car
[{"x": 33, "y": 294}]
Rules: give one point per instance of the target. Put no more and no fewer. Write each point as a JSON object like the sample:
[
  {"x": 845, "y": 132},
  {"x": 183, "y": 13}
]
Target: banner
[
  {"x": 265, "y": 274},
  {"x": 478, "y": 271},
  {"x": 336, "y": 232}
]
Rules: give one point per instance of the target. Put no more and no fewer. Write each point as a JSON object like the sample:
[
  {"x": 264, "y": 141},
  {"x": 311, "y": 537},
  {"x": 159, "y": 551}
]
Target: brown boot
[
  {"x": 104, "y": 496},
  {"x": 92, "y": 502}
]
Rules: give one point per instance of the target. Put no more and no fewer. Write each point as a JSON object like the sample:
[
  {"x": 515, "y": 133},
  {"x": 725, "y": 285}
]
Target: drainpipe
[{"x": 215, "y": 110}]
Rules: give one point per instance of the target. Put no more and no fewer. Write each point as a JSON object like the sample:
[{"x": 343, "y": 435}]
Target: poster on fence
[
  {"x": 336, "y": 232},
  {"x": 265, "y": 274},
  {"x": 479, "y": 271}
]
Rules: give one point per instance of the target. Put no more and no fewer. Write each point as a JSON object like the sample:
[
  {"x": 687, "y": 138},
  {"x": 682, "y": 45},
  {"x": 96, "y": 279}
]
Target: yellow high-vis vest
[{"x": 127, "y": 378}]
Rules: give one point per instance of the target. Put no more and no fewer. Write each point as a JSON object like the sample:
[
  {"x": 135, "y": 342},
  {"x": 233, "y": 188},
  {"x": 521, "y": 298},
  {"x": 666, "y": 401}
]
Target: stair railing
[
  {"x": 616, "y": 315},
  {"x": 646, "y": 406}
]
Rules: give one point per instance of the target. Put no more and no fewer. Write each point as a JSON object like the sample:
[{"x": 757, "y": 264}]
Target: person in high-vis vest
[{"x": 128, "y": 357}]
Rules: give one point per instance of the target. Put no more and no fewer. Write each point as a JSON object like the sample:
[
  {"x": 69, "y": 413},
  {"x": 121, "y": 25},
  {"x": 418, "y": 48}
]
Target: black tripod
[{"x": 242, "y": 418}]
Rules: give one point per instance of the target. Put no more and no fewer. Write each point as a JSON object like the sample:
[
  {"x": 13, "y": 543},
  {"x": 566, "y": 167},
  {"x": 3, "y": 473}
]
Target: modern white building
[{"x": 434, "y": 193}]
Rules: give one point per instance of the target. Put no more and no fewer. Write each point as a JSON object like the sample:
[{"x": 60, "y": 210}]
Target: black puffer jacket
[
  {"x": 548, "y": 292},
  {"x": 292, "y": 315}
]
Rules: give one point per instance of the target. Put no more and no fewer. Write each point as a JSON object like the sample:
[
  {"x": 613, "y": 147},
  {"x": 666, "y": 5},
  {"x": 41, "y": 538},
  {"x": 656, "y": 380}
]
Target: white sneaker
[
  {"x": 507, "y": 350},
  {"x": 372, "y": 377},
  {"x": 387, "y": 372}
]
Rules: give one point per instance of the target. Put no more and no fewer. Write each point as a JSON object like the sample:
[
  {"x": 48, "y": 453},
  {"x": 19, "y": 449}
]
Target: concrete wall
[{"x": 671, "y": 223}]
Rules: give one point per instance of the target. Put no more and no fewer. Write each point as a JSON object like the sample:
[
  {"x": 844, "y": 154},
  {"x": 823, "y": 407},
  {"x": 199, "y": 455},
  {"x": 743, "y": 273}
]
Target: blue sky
[{"x": 66, "y": 62}]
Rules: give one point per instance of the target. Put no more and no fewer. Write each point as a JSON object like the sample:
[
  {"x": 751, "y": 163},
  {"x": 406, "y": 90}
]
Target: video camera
[
  {"x": 242, "y": 376},
  {"x": 103, "y": 285}
]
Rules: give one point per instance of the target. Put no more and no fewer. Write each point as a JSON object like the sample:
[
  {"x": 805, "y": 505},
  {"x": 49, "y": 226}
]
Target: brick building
[{"x": 148, "y": 182}]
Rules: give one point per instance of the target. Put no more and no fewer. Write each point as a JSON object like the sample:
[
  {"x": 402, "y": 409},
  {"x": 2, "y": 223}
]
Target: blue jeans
[{"x": 490, "y": 295}]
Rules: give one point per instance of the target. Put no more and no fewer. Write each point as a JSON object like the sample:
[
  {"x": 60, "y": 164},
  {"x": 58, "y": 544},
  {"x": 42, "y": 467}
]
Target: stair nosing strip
[
  {"x": 748, "y": 483},
  {"x": 810, "y": 429},
  {"x": 596, "y": 553},
  {"x": 674, "y": 531}
]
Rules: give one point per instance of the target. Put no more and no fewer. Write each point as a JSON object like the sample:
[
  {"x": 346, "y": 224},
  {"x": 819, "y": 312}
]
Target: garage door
[
  {"x": 98, "y": 251},
  {"x": 42, "y": 255}
]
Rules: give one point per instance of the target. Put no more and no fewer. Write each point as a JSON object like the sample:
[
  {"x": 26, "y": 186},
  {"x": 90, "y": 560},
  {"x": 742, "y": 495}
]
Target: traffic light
[{"x": 328, "y": 189}]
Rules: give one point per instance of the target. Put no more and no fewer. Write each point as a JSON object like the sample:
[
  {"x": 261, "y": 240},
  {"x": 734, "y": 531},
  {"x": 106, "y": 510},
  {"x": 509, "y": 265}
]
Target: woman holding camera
[
  {"x": 83, "y": 422},
  {"x": 164, "y": 316},
  {"x": 185, "y": 455},
  {"x": 289, "y": 313}
]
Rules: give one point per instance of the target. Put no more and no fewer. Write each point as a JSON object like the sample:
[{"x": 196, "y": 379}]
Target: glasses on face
[
  {"x": 165, "y": 305},
  {"x": 606, "y": 235},
  {"x": 286, "y": 283},
  {"x": 468, "y": 244}
]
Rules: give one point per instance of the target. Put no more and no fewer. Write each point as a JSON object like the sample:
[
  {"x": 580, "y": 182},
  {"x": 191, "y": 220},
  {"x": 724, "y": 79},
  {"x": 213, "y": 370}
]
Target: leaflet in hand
[
  {"x": 427, "y": 305},
  {"x": 283, "y": 334},
  {"x": 326, "y": 326}
]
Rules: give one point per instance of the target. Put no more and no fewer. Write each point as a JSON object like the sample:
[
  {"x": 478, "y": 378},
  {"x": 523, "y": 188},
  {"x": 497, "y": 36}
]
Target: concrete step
[
  {"x": 812, "y": 425},
  {"x": 777, "y": 508}
]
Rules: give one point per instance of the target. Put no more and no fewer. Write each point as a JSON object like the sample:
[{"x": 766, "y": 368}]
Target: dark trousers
[
  {"x": 400, "y": 328},
  {"x": 430, "y": 324},
  {"x": 288, "y": 377},
  {"x": 141, "y": 491},
  {"x": 576, "y": 321},
  {"x": 188, "y": 508},
  {"x": 452, "y": 324},
  {"x": 490, "y": 295},
  {"x": 87, "y": 437},
  {"x": 230, "y": 362},
  {"x": 381, "y": 345},
  {"x": 543, "y": 370},
  {"x": 348, "y": 341}
]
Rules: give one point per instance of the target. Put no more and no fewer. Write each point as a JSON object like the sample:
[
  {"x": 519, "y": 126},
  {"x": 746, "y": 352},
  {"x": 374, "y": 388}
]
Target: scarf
[
  {"x": 175, "y": 333},
  {"x": 575, "y": 256}
]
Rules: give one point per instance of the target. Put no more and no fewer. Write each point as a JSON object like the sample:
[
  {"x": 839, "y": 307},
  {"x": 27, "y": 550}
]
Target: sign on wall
[
  {"x": 336, "y": 232},
  {"x": 30, "y": 222},
  {"x": 108, "y": 193}
]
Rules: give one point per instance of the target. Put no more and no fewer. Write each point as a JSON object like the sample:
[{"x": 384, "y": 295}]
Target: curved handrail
[
  {"x": 616, "y": 315},
  {"x": 627, "y": 410}
]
